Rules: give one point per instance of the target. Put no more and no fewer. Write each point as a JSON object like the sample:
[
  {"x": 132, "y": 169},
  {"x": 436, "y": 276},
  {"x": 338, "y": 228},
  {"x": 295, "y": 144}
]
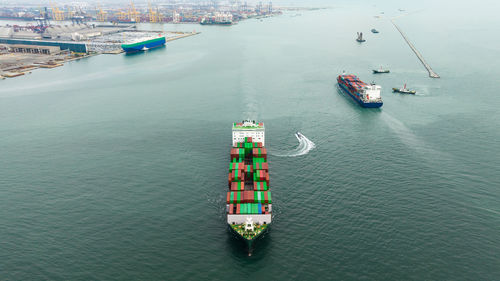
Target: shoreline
[{"x": 53, "y": 61}]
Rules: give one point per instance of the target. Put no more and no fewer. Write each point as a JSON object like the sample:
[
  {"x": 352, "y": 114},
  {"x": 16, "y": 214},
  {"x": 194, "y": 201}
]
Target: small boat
[
  {"x": 374, "y": 30},
  {"x": 404, "y": 90},
  {"x": 360, "y": 37},
  {"x": 375, "y": 71}
]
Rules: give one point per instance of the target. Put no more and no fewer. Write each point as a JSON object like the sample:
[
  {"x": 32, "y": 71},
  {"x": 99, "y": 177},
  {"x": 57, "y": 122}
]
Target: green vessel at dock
[{"x": 144, "y": 45}]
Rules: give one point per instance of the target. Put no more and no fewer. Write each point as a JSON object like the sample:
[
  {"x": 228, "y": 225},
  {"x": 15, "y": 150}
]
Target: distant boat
[
  {"x": 375, "y": 71},
  {"x": 360, "y": 37},
  {"x": 404, "y": 90},
  {"x": 374, "y": 30}
]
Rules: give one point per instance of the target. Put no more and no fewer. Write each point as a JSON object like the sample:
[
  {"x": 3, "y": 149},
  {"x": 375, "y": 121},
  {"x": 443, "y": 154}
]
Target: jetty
[{"x": 432, "y": 74}]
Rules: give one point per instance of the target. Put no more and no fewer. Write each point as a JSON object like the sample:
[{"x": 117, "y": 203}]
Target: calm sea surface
[{"x": 115, "y": 167}]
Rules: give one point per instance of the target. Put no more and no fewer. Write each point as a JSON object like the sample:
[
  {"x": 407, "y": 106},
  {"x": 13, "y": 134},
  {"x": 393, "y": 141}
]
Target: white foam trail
[
  {"x": 410, "y": 139},
  {"x": 305, "y": 145}
]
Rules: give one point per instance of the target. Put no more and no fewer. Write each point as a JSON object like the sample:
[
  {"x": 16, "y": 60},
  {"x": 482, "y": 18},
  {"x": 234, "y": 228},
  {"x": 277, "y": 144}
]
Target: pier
[{"x": 432, "y": 74}]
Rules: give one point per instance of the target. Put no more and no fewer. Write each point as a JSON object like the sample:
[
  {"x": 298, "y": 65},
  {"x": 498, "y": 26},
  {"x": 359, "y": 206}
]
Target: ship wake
[{"x": 305, "y": 145}]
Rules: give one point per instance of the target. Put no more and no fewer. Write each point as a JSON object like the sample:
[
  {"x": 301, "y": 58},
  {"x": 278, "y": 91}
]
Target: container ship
[
  {"x": 217, "y": 19},
  {"x": 144, "y": 45},
  {"x": 248, "y": 200},
  {"x": 366, "y": 95}
]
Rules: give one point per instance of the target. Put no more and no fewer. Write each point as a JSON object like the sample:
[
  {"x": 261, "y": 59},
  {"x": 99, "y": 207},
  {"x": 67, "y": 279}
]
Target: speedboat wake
[{"x": 305, "y": 145}]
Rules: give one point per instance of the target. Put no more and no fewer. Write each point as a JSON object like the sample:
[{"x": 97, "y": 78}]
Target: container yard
[{"x": 172, "y": 12}]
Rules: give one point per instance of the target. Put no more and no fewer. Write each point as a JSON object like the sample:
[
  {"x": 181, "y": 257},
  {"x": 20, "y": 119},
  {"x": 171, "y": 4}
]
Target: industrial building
[{"x": 34, "y": 49}]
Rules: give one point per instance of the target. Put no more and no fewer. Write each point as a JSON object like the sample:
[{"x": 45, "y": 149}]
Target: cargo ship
[
  {"x": 366, "y": 95},
  {"x": 213, "y": 22},
  {"x": 217, "y": 19},
  {"x": 144, "y": 45},
  {"x": 248, "y": 200}
]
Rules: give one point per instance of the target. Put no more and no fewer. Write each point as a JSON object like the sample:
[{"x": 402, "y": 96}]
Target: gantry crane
[{"x": 101, "y": 16}]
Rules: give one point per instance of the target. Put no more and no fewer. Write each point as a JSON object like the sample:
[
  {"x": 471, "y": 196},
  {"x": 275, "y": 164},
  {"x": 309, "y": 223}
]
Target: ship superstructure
[
  {"x": 366, "y": 95},
  {"x": 249, "y": 202}
]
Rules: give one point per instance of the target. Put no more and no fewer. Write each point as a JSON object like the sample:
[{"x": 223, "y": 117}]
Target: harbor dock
[
  {"x": 22, "y": 49},
  {"x": 432, "y": 74}
]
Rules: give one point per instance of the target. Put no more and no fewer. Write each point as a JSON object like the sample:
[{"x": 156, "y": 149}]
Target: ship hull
[
  {"x": 145, "y": 45},
  {"x": 216, "y": 23},
  {"x": 360, "y": 102},
  {"x": 249, "y": 242}
]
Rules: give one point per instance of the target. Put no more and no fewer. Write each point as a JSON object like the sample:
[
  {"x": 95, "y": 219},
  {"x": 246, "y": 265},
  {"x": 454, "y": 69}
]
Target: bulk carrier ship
[
  {"x": 249, "y": 202},
  {"x": 366, "y": 95}
]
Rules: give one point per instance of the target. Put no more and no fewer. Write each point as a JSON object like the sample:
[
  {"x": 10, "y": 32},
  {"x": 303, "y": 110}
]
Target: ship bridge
[{"x": 248, "y": 128}]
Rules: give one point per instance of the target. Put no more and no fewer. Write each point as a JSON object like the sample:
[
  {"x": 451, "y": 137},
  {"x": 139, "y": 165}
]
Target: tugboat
[
  {"x": 381, "y": 70},
  {"x": 374, "y": 30},
  {"x": 404, "y": 90},
  {"x": 360, "y": 37}
]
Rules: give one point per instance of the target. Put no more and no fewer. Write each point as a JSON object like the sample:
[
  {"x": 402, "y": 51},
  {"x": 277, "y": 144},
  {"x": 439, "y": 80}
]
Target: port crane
[
  {"x": 57, "y": 15},
  {"x": 102, "y": 16},
  {"x": 153, "y": 15}
]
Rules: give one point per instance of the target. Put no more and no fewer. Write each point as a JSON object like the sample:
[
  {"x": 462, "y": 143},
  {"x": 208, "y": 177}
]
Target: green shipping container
[
  {"x": 259, "y": 160},
  {"x": 262, "y": 186}
]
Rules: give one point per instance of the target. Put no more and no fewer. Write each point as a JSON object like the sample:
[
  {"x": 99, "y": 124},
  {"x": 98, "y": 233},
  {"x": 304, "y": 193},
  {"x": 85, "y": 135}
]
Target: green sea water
[{"x": 115, "y": 166}]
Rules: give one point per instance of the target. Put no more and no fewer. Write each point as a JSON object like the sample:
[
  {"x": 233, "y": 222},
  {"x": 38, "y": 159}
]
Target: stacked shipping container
[{"x": 248, "y": 179}]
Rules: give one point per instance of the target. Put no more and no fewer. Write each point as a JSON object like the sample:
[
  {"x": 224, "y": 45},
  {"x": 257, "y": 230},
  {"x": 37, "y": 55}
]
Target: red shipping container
[
  {"x": 237, "y": 186},
  {"x": 259, "y": 151},
  {"x": 248, "y": 196},
  {"x": 265, "y": 166},
  {"x": 238, "y": 208},
  {"x": 261, "y": 175},
  {"x": 231, "y": 208},
  {"x": 240, "y": 176},
  {"x": 228, "y": 198}
]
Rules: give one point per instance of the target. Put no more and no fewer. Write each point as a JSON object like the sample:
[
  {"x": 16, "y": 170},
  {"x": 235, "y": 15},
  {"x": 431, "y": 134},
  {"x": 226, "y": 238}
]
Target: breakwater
[{"x": 432, "y": 74}]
